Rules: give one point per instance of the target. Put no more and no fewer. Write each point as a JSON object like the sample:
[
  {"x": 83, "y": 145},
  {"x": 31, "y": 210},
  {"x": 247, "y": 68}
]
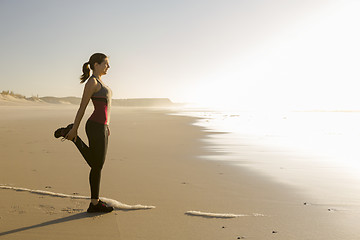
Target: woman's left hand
[{"x": 108, "y": 130}]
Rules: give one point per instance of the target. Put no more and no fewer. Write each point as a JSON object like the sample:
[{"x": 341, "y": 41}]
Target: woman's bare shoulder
[{"x": 91, "y": 81}]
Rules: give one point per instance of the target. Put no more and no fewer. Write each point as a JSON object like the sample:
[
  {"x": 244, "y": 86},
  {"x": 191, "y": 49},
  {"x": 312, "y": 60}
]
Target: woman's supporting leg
[
  {"x": 98, "y": 141},
  {"x": 95, "y": 153}
]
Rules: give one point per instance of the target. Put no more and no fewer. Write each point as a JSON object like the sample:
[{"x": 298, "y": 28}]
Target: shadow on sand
[{"x": 56, "y": 221}]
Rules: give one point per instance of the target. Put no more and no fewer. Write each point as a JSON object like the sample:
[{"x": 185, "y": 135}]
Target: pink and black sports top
[{"x": 102, "y": 103}]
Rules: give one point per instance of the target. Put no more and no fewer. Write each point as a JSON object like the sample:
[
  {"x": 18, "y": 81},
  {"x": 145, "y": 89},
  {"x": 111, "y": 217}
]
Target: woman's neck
[{"x": 98, "y": 76}]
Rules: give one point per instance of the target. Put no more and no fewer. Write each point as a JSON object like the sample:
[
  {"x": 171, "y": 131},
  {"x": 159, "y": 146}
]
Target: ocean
[{"x": 316, "y": 152}]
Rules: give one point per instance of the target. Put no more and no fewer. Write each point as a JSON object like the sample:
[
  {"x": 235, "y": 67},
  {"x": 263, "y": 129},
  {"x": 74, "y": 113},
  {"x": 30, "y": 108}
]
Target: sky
[{"x": 246, "y": 54}]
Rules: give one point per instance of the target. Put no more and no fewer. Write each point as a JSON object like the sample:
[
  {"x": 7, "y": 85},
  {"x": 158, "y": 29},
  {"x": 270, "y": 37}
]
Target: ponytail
[
  {"x": 86, "y": 72},
  {"x": 95, "y": 58}
]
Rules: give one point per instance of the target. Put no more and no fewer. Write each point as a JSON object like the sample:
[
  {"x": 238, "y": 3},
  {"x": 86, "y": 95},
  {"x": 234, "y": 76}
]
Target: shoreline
[
  {"x": 326, "y": 150},
  {"x": 153, "y": 159}
]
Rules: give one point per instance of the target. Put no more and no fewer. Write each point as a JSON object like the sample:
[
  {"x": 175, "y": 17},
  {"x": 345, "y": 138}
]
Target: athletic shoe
[
  {"x": 100, "y": 207},
  {"x": 62, "y": 132}
]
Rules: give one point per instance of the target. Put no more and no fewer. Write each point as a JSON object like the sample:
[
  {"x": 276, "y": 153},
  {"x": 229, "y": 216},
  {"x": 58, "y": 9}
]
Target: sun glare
[{"x": 312, "y": 66}]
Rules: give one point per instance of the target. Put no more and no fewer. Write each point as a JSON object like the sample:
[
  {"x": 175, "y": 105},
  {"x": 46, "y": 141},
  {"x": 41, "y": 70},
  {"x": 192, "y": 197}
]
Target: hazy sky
[{"x": 248, "y": 53}]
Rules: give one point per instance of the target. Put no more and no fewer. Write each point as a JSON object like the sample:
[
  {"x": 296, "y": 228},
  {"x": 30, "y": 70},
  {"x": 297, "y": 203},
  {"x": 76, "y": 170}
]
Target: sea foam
[
  {"x": 111, "y": 202},
  {"x": 221, "y": 215}
]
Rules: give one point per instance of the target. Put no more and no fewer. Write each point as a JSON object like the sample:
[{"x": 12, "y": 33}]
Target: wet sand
[{"x": 153, "y": 159}]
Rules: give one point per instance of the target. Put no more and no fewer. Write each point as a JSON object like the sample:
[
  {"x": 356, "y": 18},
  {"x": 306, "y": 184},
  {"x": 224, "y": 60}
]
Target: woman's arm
[{"x": 89, "y": 89}]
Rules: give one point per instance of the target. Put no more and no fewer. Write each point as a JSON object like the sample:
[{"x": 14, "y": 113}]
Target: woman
[{"x": 97, "y": 126}]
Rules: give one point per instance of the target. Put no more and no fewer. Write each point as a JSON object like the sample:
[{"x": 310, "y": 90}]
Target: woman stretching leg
[{"x": 97, "y": 126}]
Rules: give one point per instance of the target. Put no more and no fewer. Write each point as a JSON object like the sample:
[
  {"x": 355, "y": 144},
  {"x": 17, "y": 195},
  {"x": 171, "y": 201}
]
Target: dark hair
[{"x": 95, "y": 58}]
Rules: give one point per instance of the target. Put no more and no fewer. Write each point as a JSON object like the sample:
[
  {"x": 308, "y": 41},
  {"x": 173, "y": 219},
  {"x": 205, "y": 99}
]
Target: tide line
[
  {"x": 111, "y": 202},
  {"x": 122, "y": 206}
]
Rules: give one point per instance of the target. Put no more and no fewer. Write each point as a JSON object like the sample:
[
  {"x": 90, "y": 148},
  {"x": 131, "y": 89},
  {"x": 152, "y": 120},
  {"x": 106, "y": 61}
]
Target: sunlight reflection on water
[{"x": 317, "y": 149}]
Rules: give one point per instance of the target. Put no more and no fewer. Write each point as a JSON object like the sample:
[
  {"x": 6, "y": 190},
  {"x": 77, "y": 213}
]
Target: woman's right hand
[{"x": 72, "y": 135}]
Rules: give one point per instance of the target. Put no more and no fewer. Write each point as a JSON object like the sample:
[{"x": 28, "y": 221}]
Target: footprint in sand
[
  {"x": 72, "y": 210},
  {"x": 16, "y": 209},
  {"x": 48, "y": 209}
]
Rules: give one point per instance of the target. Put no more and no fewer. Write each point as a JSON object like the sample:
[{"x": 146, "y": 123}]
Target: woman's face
[{"x": 103, "y": 67}]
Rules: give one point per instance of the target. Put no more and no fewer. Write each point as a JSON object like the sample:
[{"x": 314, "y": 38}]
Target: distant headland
[{"x": 11, "y": 98}]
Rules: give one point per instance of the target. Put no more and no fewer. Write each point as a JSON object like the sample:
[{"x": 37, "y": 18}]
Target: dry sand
[{"x": 153, "y": 159}]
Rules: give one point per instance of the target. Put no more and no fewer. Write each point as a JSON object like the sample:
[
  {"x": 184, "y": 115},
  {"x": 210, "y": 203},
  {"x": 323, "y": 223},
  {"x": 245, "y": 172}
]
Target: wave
[{"x": 111, "y": 202}]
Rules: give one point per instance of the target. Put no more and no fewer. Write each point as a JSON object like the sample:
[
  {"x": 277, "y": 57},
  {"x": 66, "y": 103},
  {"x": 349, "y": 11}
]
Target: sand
[{"x": 154, "y": 159}]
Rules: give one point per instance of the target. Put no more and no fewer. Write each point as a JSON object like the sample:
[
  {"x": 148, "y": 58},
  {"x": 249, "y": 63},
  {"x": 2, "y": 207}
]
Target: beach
[{"x": 155, "y": 158}]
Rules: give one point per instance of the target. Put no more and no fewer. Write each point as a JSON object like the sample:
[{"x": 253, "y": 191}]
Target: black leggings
[{"x": 95, "y": 153}]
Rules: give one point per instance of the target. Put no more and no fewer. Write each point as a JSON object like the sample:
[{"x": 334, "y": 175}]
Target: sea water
[{"x": 317, "y": 152}]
